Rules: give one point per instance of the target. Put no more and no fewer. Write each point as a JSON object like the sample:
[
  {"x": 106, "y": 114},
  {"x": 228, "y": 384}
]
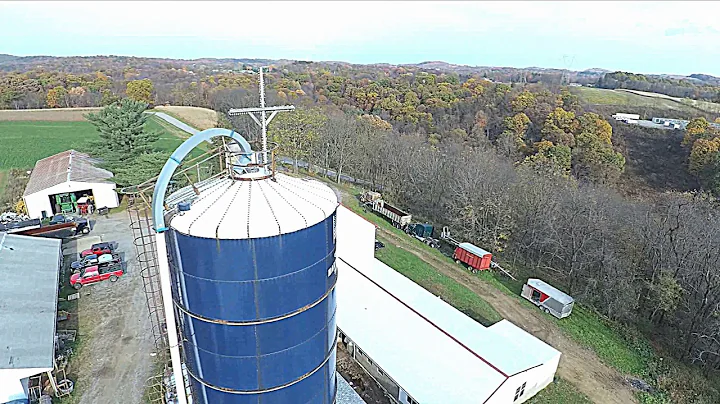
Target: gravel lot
[{"x": 114, "y": 359}]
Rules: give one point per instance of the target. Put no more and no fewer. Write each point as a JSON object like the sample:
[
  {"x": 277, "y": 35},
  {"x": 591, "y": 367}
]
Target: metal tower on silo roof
[{"x": 263, "y": 121}]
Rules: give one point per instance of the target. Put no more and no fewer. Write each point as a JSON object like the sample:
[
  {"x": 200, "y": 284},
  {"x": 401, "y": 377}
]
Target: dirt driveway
[
  {"x": 578, "y": 365},
  {"x": 114, "y": 361}
]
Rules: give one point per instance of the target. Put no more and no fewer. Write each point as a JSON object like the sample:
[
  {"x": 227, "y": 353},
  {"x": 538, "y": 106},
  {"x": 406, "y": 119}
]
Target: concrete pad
[{"x": 74, "y": 246}]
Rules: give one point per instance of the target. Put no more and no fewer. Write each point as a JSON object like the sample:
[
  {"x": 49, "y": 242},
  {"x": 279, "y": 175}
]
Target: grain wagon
[{"x": 473, "y": 256}]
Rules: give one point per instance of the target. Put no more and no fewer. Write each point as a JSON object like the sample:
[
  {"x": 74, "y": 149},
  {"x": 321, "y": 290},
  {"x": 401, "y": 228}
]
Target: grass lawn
[
  {"x": 627, "y": 355},
  {"x": 3, "y": 180},
  {"x": 448, "y": 289},
  {"x": 560, "y": 392}
]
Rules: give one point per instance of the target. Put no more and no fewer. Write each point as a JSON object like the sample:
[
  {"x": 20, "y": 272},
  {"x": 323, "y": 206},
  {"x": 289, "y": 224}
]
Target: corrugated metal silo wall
[{"x": 258, "y": 315}]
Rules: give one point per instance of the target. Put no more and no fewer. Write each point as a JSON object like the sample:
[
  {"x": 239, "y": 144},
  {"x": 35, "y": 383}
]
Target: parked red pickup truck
[
  {"x": 98, "y": 249},
  {"x": 95, "y": 274}
]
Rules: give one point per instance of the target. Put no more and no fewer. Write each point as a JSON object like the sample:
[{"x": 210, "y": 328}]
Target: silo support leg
[{"x": 165, "y": 288}]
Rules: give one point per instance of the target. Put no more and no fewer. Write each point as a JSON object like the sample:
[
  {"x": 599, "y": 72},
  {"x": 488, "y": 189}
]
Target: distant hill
[
  {"x": 5, "y": 57},
  {"x": 706, "y": 78}
]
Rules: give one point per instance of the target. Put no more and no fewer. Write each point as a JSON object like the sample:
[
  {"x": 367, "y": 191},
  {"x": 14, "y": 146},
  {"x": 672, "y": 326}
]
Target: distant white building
[
  {"x": 626, "y": 117},
  {"x": 419, "y": 348},
  {"x": 64, "y": 178}
]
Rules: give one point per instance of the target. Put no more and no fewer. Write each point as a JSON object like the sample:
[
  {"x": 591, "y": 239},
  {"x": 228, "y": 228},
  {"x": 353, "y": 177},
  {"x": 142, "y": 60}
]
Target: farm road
[
  {"x": 114, "y": 328},
  {"x": 176, "y": 122},
  {"x": 578, "y": 365}
]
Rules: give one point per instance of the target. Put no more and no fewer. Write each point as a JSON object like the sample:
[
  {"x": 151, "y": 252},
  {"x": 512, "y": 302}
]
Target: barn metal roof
[
  {"x": 551, "y": 291},
  {"x": 394, "y": 320},
  {"x": 473, "y": 249},
  {"x": 28, "y": 300},
  {"x": 500, "y": 351},
  {"x": 423, "y": 359},
  {"x": 67, "y": 166},
  {"x": 345, "y": 393}
]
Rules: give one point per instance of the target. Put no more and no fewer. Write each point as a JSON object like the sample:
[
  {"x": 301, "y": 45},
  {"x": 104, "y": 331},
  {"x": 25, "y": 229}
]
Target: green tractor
[{"x": 65, "y": 202}]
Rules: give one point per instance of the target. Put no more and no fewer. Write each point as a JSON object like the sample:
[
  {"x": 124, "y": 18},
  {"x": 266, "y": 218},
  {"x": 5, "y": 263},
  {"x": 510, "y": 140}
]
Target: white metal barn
[
  {"x": 421, "y": 349},
  {"x": 69, "y": 172},
  {"x": 28, "y": 314}
]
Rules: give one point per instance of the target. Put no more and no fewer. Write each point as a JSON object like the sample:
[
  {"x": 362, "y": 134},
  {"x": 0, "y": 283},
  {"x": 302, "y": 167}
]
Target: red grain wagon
[{"x": 473, "y": 256}]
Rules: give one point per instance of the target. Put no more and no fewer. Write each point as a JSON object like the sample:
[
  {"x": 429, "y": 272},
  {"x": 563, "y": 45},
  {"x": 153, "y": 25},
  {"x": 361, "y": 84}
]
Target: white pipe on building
[{"x": 166, "y": 290}]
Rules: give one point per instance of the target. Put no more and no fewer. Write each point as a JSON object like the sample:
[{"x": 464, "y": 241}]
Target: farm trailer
[
  {"x": 445, "y": 235},
  {"x": 397, "y": 217},
  {"x": 548, "y": 298},
  {"x": 473, "y": 256}
]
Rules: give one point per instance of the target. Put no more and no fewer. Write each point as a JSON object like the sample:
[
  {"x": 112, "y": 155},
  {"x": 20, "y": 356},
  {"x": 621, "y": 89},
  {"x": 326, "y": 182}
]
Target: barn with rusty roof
[{"x": 58, "y": 182}]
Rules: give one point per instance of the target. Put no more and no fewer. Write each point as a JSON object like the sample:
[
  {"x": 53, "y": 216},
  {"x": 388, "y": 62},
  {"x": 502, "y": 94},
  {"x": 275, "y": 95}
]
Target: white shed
[
  {"x": 421, "y": 349},
  {"x": 68, "y": 176}
]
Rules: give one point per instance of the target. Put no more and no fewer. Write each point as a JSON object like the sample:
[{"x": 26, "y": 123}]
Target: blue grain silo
[{"x": 253, "y": 274}]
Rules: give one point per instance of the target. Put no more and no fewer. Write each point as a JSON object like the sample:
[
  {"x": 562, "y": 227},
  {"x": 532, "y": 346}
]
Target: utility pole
[
  {"x": 565, "y": 78},
  {"x": 263, "y": 120}
]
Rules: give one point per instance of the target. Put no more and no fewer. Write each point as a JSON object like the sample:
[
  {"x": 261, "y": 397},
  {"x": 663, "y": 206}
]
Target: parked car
[
  {"x": 475, "y": 258},
  {"x": 96, "y": 274},
  {"x": 548, "y": 298},
  {"x": 98, "y": 249},
  {"x": 92, "y": 259},
  {"x": 81, "y": 223}
]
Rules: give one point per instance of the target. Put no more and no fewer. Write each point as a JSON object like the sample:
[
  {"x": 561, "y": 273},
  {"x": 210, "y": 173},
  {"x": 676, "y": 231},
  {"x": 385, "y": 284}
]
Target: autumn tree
[
  {"x": 697, "y": 128},
  {"x": 570, "y": 101},
  {"x": 595, "y": 124},
  {"x": 75, "y": 95},
  {"x": 549, "y": 155},
  {"x": 140, "y": 90},
  {"x": 703, "y": 154},
  {"x": 57, "y": 97},
  {"x": 594, "y": 158},
  {"x": 523, "y": 101},
  {"x": 559, "y": 127},
  {"x": 296, "y": 131},
  {"x": 514, "y": 134}
]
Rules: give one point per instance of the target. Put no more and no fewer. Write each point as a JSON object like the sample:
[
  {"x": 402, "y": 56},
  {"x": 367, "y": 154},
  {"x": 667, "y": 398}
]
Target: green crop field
[
  {"x": 602, "y": 96},
  {"x": 24, "y": 142}
]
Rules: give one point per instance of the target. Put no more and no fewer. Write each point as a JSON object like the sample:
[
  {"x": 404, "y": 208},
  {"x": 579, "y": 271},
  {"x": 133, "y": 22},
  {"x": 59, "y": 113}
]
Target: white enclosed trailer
[{"x": 548, "y": 298}]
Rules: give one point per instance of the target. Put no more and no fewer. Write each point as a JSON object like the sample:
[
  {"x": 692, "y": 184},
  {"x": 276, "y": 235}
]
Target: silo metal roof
[{"x": 235, "y": 209}]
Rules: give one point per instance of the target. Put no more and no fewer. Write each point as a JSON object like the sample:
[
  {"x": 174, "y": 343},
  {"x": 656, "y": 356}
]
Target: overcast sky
[{"x": 643, "y": 37}]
